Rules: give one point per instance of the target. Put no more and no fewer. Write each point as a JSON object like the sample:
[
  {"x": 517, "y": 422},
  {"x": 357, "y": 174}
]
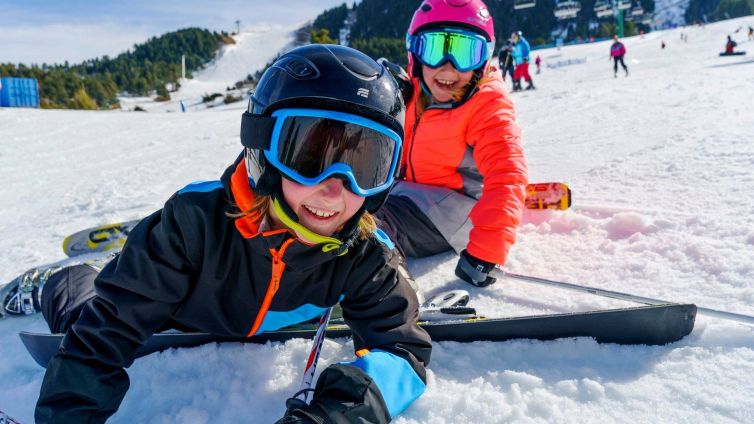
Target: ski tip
[{"x": 553, "y": 195}]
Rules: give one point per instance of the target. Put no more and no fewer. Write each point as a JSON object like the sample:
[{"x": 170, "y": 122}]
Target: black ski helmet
[{"x": 329, "y": 77}]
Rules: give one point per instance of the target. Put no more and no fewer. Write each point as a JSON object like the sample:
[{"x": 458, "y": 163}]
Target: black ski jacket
[{"x": 190, "y": 266}]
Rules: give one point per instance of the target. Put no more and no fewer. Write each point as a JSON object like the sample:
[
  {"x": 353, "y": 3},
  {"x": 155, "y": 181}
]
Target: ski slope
[
  {"x": 253, "y": 49},
  {"x": 661, "y": 163}
]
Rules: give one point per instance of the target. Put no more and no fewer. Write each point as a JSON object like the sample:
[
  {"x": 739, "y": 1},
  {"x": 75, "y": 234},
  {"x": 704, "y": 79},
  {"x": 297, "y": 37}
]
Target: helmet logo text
[{"x": 363, "y": 92}]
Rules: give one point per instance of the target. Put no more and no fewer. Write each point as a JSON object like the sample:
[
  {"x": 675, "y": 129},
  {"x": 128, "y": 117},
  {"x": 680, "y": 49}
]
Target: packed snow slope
[
  {"x": 661, "y": 163},
  {"x": 253, "y": 49}
]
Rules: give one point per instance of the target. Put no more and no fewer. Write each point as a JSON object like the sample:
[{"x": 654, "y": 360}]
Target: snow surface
[{"x": 661, "y": 167}]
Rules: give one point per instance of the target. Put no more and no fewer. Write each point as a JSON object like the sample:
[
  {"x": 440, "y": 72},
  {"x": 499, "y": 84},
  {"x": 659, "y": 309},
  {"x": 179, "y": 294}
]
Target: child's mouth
[
  {"x": 445, "y": 84},
  {"x": 320, "y": 214}
]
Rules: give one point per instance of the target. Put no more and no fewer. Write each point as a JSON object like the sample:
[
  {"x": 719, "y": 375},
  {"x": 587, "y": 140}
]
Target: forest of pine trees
[{"x": 147, "y": 68}]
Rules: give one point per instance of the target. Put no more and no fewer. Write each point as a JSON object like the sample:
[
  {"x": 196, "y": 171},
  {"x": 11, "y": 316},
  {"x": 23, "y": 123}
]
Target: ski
[
  {"x": 6, "y": 419},
  {"x": 548, "y": 196},
  {"x": 650, "y": 325},
  {"x": 742, "y": 318},
  {"x": 103, "y": 238}
]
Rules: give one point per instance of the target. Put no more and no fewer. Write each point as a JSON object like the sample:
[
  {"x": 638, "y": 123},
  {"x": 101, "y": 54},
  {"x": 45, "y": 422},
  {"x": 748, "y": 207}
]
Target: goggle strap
[{"x": 256, "y": 131}]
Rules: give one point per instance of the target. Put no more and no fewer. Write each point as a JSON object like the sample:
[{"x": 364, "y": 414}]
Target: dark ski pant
[
  {"x": 412, "y": 232},
  {"x": 617, "y": 59},
  {"x": 508, "y": 71},
  {"x": 425, "y": 220},
  {"x": 67, "y": 292}
]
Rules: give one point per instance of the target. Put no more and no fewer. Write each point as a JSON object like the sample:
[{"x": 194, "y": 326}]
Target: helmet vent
[
  {"x": 359, "y": 64},
  {"x": 298, "y": 67},
  {"x": 426, "y": 7}
]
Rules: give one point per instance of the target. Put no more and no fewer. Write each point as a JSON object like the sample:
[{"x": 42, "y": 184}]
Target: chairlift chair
[
  {"x": 523, "y": 4},
  {"x": 637, "y": 10},
  {"x": 623, "y": 4},
  {"x": 603, "y": 8},
  {"x": 566, "y": 9}
]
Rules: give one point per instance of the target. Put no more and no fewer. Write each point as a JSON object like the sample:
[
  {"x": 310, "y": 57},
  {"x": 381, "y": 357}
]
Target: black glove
[
  {"x": 474, "y": 271},
  {"x": 400, "y": 75},
  {"x": 298, "y": 412}
]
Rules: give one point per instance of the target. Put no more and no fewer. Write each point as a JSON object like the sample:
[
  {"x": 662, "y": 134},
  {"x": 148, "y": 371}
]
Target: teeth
[
  {"x": 319, "y": 213},
  {"x": 445, "y": 82}
]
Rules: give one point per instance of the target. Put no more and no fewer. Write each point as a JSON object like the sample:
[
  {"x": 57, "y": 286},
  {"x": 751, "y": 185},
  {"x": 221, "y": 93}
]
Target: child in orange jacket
[{"x": 463, "y": 170}]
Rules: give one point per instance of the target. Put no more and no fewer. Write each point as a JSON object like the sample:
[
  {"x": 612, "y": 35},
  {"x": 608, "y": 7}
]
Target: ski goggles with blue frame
[
  {"x": 467, "y": 50},
  {"x": 310, "y": 145}
]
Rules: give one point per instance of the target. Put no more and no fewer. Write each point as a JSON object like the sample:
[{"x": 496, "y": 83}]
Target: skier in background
[
  {"x": 521, "y": 60},
  {"x": 538, "y": 62},
  {"x": 505, "y": 61},
  {"x": 751, "y": 33},
  {"x": 730, "y": 45},
  {"x": 617, "y": 51},
  {"x": 275, "y": 242},
  {"x": 464, "y": 174}
]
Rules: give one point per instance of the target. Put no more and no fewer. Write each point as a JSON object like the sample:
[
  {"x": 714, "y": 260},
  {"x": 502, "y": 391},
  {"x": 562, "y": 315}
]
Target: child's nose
[{"x": 332, "y": 186}]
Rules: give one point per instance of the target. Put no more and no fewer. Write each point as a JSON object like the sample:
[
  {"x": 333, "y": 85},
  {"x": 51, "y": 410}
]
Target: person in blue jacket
[
  {"x": 285, "y": 234},
  {"x": 521, "y": 61}
]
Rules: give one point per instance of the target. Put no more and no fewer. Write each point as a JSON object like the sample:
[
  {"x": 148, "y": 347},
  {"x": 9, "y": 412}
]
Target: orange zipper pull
[{"x": 278, "y": 266}]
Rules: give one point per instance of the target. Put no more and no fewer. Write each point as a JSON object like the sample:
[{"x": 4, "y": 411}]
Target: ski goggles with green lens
[
  {"x": 465, "y": 49},
  {"x": 310, "y": 145}
]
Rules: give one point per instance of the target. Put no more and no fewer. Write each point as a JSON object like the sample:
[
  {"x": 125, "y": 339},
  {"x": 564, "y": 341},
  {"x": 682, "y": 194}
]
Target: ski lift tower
[{"x": 604, "y": 8}]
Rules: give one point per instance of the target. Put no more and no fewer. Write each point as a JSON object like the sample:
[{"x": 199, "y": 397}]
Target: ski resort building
[{"x": 19, "y": 92}]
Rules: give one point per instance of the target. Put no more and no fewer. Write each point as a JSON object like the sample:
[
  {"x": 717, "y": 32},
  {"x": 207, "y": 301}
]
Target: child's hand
[
  {"x": 474, "y": 271},
  {"x": 298, "y": 412}
]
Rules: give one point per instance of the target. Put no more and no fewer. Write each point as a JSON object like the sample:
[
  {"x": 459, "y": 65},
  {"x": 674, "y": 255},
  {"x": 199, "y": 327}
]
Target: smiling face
[
  {"x": 322, "y": 208},
  {"x": 445, "y": 82}
]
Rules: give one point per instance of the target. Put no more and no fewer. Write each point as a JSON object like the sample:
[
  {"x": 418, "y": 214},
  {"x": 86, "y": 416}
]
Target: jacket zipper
[
  {"x": 411, "y": 149},
  {"x": 278, "y": 266}
]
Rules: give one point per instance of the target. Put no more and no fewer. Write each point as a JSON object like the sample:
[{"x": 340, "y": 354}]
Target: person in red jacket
[
  {"x": 463, "y": 173},
  {"x": 730, "y": 45},
  {"x": 284, "y": 235},
  {"x": 617, "y": 51}
]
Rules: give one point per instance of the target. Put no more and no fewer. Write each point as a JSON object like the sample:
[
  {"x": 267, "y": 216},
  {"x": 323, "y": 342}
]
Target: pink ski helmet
[{"x": 470, "y": 14}]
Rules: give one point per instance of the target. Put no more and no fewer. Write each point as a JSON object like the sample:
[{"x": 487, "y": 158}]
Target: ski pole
[
  {"x": 499, "y": 273},
  {"x": 311, "y": 362}
]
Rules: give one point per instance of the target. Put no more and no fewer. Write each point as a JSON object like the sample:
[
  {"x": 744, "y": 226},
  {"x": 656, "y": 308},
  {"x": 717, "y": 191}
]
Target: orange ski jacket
[{"x": 475, "y": 149}]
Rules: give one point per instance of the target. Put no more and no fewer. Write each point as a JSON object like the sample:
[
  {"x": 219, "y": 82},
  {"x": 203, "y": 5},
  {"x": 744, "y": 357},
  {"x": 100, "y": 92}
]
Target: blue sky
[{"x": 35, "y": 31}]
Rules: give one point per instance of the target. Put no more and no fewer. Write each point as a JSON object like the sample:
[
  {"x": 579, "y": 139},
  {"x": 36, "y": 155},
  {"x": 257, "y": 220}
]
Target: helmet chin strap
[{"x": 339, "y": 246}]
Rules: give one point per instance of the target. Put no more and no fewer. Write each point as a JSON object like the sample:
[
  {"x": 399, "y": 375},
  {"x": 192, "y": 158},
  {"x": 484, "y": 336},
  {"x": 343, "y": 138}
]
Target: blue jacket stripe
[
  {"x": 276, "y": 320},
  {"x": 383, "y": 238},
  {"x": 201, "y": 186},
  {"x": 398, "y": 382}
]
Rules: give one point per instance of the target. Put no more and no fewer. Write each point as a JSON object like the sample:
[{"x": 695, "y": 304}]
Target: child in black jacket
[{"x": 285, "y": 234}]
